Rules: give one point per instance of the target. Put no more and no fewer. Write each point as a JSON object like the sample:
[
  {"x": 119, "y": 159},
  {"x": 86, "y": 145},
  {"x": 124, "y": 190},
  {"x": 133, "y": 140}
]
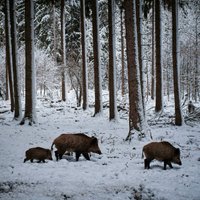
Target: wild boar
[
  {"x": 161, "y": 151},
  {"x": 39, "y": 154},
  {"x": 78, "y": 143}
]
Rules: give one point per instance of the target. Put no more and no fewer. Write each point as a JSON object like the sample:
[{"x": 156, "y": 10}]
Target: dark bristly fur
[
  {"x": 78, "y": 143},
  {"x": 38, "y": 153},
  {"x": 161, "y": 151}
]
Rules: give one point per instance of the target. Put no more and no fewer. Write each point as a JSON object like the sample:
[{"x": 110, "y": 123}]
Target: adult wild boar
[
  {"x": 161, "y": 151},
  {"x": 78, "y": 143},
  {"x": 38, "y": 153}
]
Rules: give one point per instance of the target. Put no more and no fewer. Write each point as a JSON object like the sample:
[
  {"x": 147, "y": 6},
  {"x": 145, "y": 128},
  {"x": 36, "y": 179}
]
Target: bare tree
[
  {"x": 17, "y": 95},
  {"x": 84, "y": 53},
  {"x": 54, "y": 30},
  {"x": 175, "y": 56},
  {"x": 136, "y": 113},
  {"x": 197, "y": 71},
  {"x": 9, "y": 65},
  {"x": 122, "y": 49},
  {"x": 96, "y": 51},
  {"x": 63, "y": 51},
  {"x": 30, "y": 74},
  {"x": 112, "y": 66},
  {"x": 140, "y": 50},
  {"x": 159, "y": 95},
  {"x": 153, "y": 52}
]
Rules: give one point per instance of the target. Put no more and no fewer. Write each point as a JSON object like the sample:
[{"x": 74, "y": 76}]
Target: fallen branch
[{"x": 4, "y": 111}]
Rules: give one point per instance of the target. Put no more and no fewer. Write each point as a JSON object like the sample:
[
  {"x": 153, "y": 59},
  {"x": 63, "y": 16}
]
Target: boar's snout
[
  {"x": 94, "y": 146},
  {"x": 177, "y": 157},
  {"x": 99, "y": 152},
  {"x": 49, "y": 155},
  {"x": 178, "y": 161}
]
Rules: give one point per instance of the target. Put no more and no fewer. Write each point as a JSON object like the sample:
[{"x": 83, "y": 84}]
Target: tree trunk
[
  {"x": 122, "y": 51},
  {"x": 188, "y": 67},
  {"x": 30, "y": 74},
  {"x": 147, "y": 82},
  {"x": 84, "y": 61},
  {"x": 159, "y": 95},
  {"x": 9, "y": 65},
  {"x": 63, "y": 52},
  {"x": 175, "y": 57},
  {"x": 140, "y": 50},
  {"x": 153, "y": 53},
  {"x": 17, "y": 95},
  {"x": 63, "y": 85},
  {"x": 112, "y": 57},
  {"x": 54, "y": 31},
  {"x": 7, "y": 79},
  {"x": 96, "y": 50},
  {"x": 196, "y": 89},
  {"x": 136, "y": 118}
]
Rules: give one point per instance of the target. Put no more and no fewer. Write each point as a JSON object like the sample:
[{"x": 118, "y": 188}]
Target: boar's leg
[
  {"x": 77, "y": 155},
  {"x": 43, "y": 161},
  {"x": 31, "y": 160},
  {"x": 147, "y": 163},
  {"x": 25, "y": 160},
  {"x": 86, "y": 156},
  {"x": 165, "y": 165},
  {"x": 58, "y": 155},
  {"x": 170, "y": 164},
  {"x": 166, "y": 162}
]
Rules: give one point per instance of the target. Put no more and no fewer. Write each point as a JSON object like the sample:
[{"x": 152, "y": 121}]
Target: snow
[{"x": 116, "y": 174}]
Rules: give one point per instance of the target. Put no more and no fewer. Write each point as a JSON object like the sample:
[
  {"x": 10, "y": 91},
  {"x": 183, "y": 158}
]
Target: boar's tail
[
  {"x": 52, "y": 146},
  {"x": 142, "y": 154}
]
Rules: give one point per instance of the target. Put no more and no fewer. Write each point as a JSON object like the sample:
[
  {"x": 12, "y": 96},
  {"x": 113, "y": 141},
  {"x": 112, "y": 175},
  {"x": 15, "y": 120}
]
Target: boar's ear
[
  {"x": 94, "y": 140},
  {"x": 177, "y": 151}
]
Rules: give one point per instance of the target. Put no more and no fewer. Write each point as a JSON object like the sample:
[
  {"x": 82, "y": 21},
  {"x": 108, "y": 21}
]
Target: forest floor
[{"x": 116, "y": 174}]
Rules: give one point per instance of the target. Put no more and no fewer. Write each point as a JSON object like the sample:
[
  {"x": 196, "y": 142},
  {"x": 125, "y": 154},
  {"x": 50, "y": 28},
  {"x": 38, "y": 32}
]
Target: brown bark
[
  {"x": 140, "y": 52},
  {"x": 135, "y": 98},
  {"x": 122, "y": 52},
  {"x": 62, "y": 17},
  {"x": 178, "y": 114},
  {"x": 17, "y": 95},
  {"x": 159, "y": 101},
  {"x": 97, "y": 74},
  {"x": 30, "y": 101},
  {"x": 84, "y": 63},
  {"x": 112, "y": 70},
  {"x": 9, "y": 65},
  {"x": 153, "y": 53}
]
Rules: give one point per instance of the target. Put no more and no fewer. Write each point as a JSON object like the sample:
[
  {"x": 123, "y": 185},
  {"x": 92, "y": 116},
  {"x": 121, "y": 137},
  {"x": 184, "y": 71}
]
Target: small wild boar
[
  {"x": 78, "y": 143},
  {"x": 38, "y": 153},
  {"x": 161, "y": 151}
]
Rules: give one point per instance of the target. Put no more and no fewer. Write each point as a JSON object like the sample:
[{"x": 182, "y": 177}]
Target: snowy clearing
[{"x": 116, "y": 174}]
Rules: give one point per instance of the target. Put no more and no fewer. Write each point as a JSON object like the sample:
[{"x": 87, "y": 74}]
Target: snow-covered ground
[{"x": 116, "y": 174}]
